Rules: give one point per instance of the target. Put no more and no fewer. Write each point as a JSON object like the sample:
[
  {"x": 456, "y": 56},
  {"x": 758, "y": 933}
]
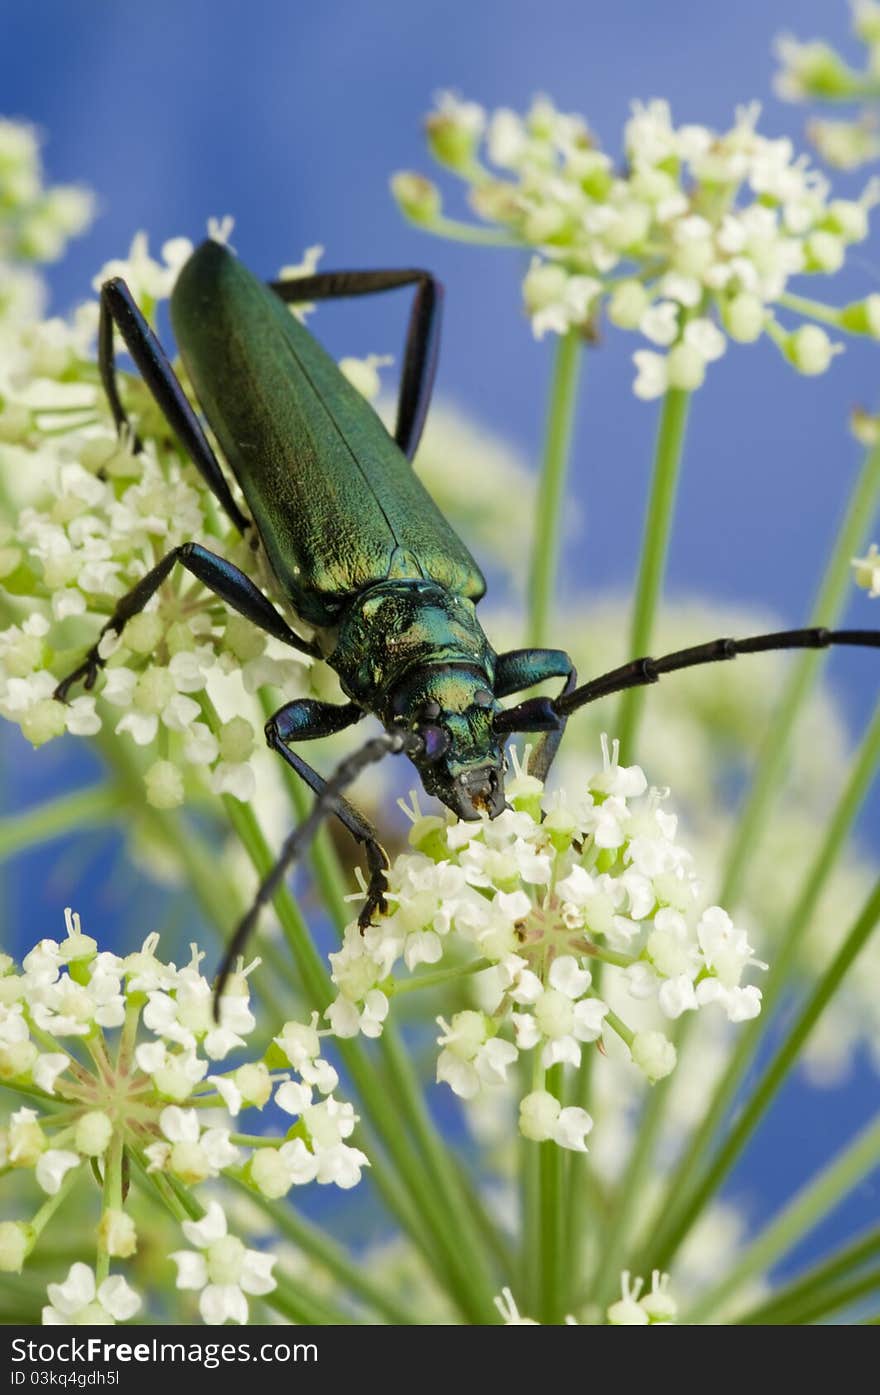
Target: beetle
[{"x": 352, "y": 542}]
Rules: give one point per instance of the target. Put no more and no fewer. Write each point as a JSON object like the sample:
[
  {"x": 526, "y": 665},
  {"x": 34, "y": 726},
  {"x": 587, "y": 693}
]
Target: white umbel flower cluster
[
  {"x": 534, "y": 898},
  {"x": 145, "y": 1090},
  {"x": 692, "y": 243}
]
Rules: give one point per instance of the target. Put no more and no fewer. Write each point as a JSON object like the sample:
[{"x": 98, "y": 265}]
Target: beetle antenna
[
  {"x": 376, "y": 749},
  {"x": 641, "y": 672}
]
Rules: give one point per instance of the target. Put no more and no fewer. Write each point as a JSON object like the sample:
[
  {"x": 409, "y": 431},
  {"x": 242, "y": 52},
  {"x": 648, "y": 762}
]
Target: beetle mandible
[{"x": 358, "y": 550}]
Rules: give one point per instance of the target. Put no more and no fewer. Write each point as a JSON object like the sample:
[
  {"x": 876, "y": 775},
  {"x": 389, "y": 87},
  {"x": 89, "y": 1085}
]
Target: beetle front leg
[
  {"x": 306, "y": 719},
  {"x": 218, "y": 575},
  {"x": 523, "y": 668}
]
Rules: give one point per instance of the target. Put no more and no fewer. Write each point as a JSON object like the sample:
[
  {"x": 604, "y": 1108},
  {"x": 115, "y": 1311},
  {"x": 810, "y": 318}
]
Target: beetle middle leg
[
  {"x": 523, "y": 668},
  {"x": 422, "y": 338},
  {"x": 305, "y": 719},
  {"x": 220, "y": 576}
]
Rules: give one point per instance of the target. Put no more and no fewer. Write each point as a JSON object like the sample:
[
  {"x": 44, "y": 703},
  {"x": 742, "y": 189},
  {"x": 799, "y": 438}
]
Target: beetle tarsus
[{"x": 88, "y": 671}]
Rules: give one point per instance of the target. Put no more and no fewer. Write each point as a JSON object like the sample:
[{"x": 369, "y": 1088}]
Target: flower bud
[
  {"x": 454, "y": 132},
  {"x": 862, "y": 316},
  {"x": 743, "y": 317},
  {"x": 117, "y": 1234},
  {"x": 825, "y": 252},
  {"x": 144, "y": 632},
  {"x": 164, "y": 784},
  {"x": 810, "y": 350},
  {"x": 93, "y": 1133},
  {"x": 43, "y": 721},
  {"x": 627, "y": 304},
  {"x": 270, "y": 1174},
  {"x": 254, "y": 1083},
  {"x": 685, "y": 367},
  {"x": 16, "y": 1239},
  {"x": 654, "y": 1054},
  {"x": 538, "y": 1113},
  {"x": 236, "y": 739},
  {"x": 17, "y": 1059},
  {"x": 417, "y": 198}
]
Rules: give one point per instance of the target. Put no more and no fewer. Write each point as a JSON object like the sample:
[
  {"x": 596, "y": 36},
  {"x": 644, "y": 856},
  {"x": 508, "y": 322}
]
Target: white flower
[
  {"x": 472, "y": 1057},
  {"x": 506, "y": 1306},
  {"x": 221, "y": 1270},
  {"x": 866, "y": 571},
  {"x": 542, "y": 1118},
  {"x": 633, "y": 1309},
  {"x": 80, "y": 1300},
  {"x": 52, "y": 1166}
]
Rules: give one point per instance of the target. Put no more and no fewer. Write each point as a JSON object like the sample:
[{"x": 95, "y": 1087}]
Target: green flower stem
[
  {"x": 619, "y": 1026},
  {"x": 551, "y": 488},
  {"x": 111, "y": 1199},
  {"x": 829, "y": 604},
  {"x": 627, "y": 1199},
  {"x": 662, "y": 1248},
  {"x": 551, "y": 1256},
  {"x": 809, "y": 1206},
  {"x": 473, "y": 1290},
  {"x": 439, "y": 976},
  {"x": 39, "y": 1222},
  {"x": 655, "y": 546},
  {"x": 676, "y": 1200},
  {"x": 472, "y": 233},
  {"x": 837, "y": 1297},
  {"x": 812, "y": 309},
  {"x": 70, "y": 813},
  {"x": 333, "y": 1257},
  {"x": 786, "y": 1304}
]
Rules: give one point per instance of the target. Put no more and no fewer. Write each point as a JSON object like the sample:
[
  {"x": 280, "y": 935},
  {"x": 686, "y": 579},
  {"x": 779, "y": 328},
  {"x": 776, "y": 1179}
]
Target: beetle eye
[
  {"x": 483, "y": 698},
  {"x": 429, "y": 712},
  {"x": 436, "y": 741}
]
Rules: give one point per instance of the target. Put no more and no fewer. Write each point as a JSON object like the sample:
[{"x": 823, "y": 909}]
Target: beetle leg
[
  {"x": 422, "y": 338},
  {"x": 522, "y": 668},
  {"x": 219, "y": 576},
  {"x": 119, "y": 310},
  {"x": 304, "y": 720}
]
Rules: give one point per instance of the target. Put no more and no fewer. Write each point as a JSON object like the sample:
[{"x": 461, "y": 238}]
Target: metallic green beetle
[{"x": 358, "y": 551}]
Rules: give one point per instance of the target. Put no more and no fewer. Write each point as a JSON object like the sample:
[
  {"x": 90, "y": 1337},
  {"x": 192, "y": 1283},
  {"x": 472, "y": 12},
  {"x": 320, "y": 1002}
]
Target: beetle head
[{"x": 453, "y": 709}]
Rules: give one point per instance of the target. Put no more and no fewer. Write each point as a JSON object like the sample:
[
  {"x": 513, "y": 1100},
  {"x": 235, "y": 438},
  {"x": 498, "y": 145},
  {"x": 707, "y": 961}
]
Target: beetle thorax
[{"x": 400, "y": 626}]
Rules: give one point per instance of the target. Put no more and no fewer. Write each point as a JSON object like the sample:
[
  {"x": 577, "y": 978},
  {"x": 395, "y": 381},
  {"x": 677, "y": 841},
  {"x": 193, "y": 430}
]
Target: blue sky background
[{"x": 292, "y": 117}]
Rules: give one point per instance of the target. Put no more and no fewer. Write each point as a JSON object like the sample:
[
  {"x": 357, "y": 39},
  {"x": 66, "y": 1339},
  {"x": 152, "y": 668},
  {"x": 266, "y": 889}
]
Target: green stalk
[
  {"x": 662, "y": 1250},
  {"x": 655, "y": 546},
  {"x": 471, "y": 1285},
  {"x": 625, "y": 1202},
  {"x": 806, "y": 1209},
  {"x": 552, "y": 1228},
  {"x": 69, "y": 813},
  {"x": 319, "y": 1246},
  {"x": 830, "y": 601},
  {"x": 551, "y": 489},
  {"x": 676, "y": 1200},
  {"x": 111, "y": 1199},
  {"x": 786, "y": 1304}
]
